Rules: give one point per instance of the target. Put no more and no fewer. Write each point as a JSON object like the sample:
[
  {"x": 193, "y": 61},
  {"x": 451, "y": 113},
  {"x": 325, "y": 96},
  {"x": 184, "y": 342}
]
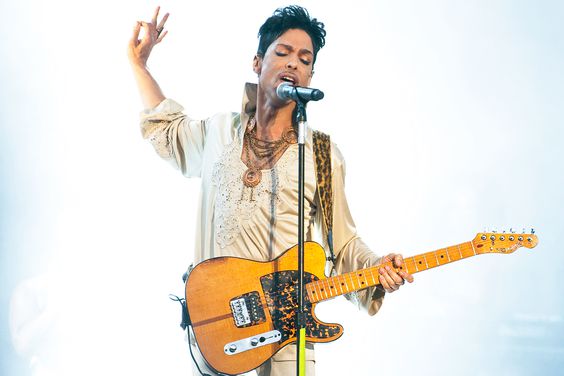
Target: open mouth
[{"x": 288, "y": 78}]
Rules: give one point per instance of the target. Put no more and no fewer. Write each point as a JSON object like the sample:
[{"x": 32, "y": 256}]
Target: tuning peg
[
  {"x": 511, "y": 230},
  {"x": 532, "y": 230},
  {"x": 503, "y": 232},
  {"x": 522, "y": 232}
]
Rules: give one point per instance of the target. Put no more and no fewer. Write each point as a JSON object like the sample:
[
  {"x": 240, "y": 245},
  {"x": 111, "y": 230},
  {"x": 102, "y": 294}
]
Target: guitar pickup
[{"x": 247, "y": 310}]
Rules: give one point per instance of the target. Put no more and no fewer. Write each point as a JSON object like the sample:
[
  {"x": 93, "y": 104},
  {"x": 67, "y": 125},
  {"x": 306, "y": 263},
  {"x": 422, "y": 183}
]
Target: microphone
[{"x": 298, "y": 93}]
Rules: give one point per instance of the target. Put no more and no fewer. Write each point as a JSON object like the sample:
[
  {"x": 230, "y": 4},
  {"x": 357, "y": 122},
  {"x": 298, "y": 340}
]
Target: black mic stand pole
[{"x": 301, "y": 120}]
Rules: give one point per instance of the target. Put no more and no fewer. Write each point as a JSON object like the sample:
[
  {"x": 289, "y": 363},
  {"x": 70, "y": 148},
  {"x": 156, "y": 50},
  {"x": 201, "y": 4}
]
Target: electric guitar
[{"x": 242, "y": 312}]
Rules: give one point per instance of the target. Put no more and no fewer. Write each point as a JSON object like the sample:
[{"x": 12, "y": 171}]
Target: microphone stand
[{"x": 301, "y": 120}]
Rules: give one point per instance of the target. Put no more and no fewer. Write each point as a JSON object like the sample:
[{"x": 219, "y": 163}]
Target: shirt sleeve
[
  {"x": 351, "y": 252},
  {"x": 176, "y": 138}
]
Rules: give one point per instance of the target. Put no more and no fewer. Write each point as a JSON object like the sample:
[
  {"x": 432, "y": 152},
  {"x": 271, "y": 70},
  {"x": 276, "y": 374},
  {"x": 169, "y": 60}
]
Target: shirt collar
[
  {"x": 249, "y": 102},
  {"x": 250, "y": 99}
]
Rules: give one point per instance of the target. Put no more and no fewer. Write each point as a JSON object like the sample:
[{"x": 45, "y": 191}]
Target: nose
[{"x": 291, "y": 63}]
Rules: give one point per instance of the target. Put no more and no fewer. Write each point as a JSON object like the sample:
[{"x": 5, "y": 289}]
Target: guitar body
[{"x": 243, "y": 311}]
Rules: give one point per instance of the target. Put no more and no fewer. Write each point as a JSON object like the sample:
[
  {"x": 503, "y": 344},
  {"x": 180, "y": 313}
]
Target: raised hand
[{"x": 139, "y": 50}]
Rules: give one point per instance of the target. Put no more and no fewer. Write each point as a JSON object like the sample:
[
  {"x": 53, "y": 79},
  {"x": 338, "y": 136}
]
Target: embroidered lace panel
[{"x": 235, "y": 204}]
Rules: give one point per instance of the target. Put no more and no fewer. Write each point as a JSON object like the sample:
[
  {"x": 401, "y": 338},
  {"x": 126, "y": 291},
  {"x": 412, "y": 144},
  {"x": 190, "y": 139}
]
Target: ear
[
  {"x": 257, "y": 64},
  {"x": 310, "y": 76}
]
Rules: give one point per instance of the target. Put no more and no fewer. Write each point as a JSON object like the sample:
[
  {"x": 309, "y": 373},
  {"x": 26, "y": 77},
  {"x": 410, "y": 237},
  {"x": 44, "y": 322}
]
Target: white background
[{"x": 449, "y": 114}]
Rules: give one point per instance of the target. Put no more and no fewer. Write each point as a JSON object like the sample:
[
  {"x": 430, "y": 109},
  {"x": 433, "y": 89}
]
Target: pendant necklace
[{"x": 265, "y": 153}]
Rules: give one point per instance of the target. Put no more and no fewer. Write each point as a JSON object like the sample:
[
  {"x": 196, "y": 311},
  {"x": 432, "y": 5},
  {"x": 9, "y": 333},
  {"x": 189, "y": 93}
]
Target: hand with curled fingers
[
  {"x": 389, "y": 278},
  {"x": 139, "y": 50}
]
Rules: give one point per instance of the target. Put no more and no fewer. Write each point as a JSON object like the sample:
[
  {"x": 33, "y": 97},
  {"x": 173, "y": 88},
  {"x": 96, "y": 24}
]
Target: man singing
[{"x": 247, "y": 163}]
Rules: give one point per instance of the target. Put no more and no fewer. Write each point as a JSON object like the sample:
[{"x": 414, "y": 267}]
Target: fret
[
  {"x": 319, "y": 294},
  {"x": 430, "y": 260},
  {"x": 339, "y": 283},
  {"x": 326, "y": 288},
  {"x": 331, "y": 285},
  {"x": 424, "y": 256},
  {"x": 404, "y": 265},
  {"x": 358, "y": 280},
  {"x": 316, "y": 292},
  {"x": 354, "y": 276},
  {"x": 415, "y": 264},
  {"x": 323, "y": 289},
  {"x": 352, "y": 281},
  {"x": 407, "y": 263},
  {"x": 453, "y": 255},
  {"x": 308, "y": 292},
  {"x": 366, "y": 284},
  {"x": 347, "y": 288},
  {"x": 419, "y": 264},
  {"x": 372, "y": 275},
  {"x": 442, "y": 257},
  {"x": 313, "y": 294}
]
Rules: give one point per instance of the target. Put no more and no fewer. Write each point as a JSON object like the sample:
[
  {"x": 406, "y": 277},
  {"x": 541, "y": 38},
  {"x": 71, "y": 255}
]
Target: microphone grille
[
  {"x": 281, "y": 90},
  {"x": 317, "y": 95}
]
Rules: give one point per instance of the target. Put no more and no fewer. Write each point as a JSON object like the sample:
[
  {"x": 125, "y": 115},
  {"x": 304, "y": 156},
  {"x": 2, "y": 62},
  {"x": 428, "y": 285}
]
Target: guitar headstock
[{"x": 494, "y": 242}]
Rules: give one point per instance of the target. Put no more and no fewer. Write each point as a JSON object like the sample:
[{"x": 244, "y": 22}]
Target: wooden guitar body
[{"x": 238, "y": 306}]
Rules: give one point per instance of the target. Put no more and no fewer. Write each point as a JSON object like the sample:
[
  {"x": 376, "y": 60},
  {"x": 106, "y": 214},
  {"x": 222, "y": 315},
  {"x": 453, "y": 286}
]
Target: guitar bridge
[{"x": 247, "y": 310}]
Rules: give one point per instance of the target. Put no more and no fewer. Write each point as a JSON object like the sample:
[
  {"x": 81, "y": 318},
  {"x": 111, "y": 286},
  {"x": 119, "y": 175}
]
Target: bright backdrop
[{"x": 449, "y": 114}]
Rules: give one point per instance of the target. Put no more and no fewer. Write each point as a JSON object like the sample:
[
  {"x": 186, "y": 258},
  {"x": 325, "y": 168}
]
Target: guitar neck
[{"x": 345, "y": 283}]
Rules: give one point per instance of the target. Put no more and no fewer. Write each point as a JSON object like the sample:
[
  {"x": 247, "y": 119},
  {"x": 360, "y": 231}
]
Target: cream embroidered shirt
[{"x": 256, "y": 223}]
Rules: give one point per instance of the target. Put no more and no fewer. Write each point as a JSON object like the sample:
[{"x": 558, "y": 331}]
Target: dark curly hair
[{"x": 291, "y": 17}]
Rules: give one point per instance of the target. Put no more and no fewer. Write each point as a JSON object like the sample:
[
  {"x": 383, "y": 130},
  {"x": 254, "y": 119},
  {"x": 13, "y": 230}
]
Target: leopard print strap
[{"x": 322, "y": 152}]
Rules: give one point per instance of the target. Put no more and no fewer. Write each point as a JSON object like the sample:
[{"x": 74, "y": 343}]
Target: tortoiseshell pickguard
[{"x": 280, "y": 290}]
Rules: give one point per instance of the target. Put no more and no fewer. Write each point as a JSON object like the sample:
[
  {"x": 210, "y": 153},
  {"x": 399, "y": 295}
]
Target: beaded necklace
[{"x": 265, "y": 152}]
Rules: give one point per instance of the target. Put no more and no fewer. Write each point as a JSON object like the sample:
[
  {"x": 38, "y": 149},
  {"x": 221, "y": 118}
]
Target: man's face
[{"x": 288, "y": 59}]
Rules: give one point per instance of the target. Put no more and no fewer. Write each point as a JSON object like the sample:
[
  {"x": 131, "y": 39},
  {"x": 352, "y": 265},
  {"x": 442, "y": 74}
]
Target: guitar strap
[{"x": 322, "y": 153}]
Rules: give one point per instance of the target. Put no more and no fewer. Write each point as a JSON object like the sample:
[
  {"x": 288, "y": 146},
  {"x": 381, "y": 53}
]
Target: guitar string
[
  {"x": 422, "y": 257},
  {"x": 417, "y": 259},
  {"x": 277, "y": 294}
]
